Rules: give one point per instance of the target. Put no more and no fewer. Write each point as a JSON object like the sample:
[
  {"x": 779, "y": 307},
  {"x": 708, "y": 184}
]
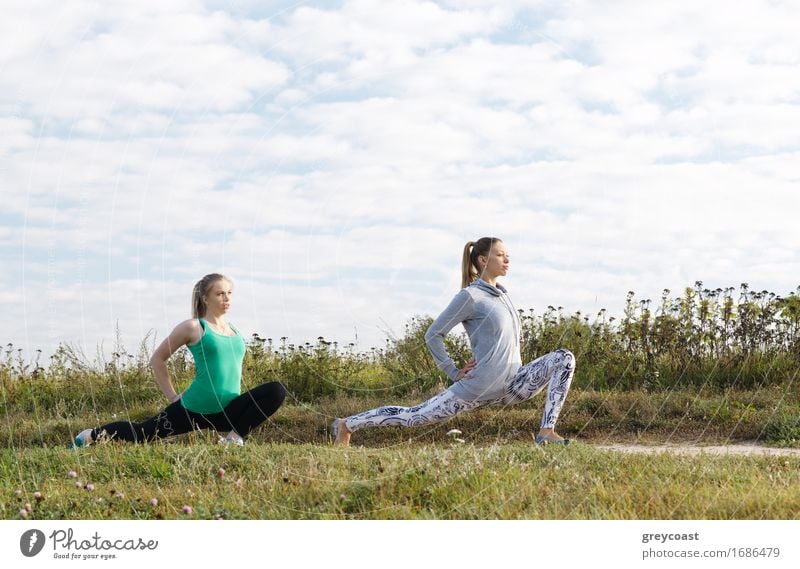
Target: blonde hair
[
  {"x": 469, "y": 260},
  {"x": 201, "y": 289}
]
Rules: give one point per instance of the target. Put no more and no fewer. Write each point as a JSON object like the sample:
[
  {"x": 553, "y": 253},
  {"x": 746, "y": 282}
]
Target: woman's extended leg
[
  {"x": 172, "y": 420},
  {"x": 555, "y": 370},
  {"x": 438, "y": 408}
]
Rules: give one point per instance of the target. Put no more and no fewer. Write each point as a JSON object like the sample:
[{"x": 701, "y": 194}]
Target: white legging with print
[{"x": 554, "y": 370}]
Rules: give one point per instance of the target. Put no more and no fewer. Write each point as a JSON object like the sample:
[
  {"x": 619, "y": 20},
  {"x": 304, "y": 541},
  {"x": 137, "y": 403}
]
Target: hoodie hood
[{"x": 483, "y": 285}]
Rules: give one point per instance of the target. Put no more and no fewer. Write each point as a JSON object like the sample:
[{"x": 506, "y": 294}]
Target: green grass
[
  {"x": 704, "y": 367},
  {"x": 768, "y": 415},
  {"x": 289, "y": 470},
  {"x": 442, "y": 480}
]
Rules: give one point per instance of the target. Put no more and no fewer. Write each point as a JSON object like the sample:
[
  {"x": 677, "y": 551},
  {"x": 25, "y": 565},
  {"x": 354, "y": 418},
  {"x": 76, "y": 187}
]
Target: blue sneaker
[{"x": 83, "y": 439}]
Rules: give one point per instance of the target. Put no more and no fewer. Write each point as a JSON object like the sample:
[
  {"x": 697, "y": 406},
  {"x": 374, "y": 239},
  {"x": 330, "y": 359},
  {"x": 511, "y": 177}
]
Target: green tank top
[{"x": 218, "y": 377}]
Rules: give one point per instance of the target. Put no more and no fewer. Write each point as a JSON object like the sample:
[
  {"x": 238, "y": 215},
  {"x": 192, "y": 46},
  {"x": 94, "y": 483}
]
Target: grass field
[
  {"x": 701, "y": 371},
  {"x": 442, "y": 480},
  {"x": 288, "y": 470},
  {"x": 770, "y": 415}
]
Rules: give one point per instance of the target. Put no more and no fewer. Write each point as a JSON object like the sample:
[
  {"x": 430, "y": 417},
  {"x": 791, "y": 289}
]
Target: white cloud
[
  {"x": 335, "y": 159},
  {"x": 365, "y": 33},
  {"x": 170, "y": 57}
]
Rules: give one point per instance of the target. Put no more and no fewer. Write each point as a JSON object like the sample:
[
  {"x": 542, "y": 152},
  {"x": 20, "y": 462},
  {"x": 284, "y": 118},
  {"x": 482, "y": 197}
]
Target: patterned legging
[{"x": 554, "y": 370}]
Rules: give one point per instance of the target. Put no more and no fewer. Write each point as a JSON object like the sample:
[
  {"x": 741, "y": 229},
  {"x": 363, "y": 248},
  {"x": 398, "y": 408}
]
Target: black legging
[{"x": 242, "y": 415}]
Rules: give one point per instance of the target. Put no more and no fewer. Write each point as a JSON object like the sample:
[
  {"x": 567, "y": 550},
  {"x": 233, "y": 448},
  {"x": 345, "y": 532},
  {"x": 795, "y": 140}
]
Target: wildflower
[
  {"x": 154, "y": 502},
  {"x": 221, "y": 472},
  {"x": 23, "y": 513},
  {"x": 79, "y": 484},
  {"x": 38, "y": 496},
  {"x": 28, "y": 506},
  {"x": 90, "y": 487},
  {"x": 72, "y": 474},
  {"x": 187, "y": 510}
]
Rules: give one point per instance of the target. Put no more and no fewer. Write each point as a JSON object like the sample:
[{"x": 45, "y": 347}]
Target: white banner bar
[{"x": 398, "y": 544}]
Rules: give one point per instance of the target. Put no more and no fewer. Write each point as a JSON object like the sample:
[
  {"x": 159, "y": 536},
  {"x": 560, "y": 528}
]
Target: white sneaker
[{"x": 231, "y": 441}]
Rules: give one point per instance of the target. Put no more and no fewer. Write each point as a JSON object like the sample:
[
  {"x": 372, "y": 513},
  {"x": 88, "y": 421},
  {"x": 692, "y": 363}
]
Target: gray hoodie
[{"x": 493, "y": 327}]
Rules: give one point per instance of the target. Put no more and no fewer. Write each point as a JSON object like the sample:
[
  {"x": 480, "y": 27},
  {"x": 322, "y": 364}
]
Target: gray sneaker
[{"x": 540, "y": 440}]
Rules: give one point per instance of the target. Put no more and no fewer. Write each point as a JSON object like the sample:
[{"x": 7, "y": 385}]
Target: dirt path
[{"x": 688, "y": 449}]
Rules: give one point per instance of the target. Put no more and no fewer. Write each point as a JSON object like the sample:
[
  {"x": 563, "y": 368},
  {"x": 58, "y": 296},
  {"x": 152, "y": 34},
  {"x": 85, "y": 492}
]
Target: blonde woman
[
  {"x": 495, "y": 375},
  {"x": 213, "y": 400}
]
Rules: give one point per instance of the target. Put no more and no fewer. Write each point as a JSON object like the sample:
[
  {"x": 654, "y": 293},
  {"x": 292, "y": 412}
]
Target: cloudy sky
[{"x": 333, "y": 157}]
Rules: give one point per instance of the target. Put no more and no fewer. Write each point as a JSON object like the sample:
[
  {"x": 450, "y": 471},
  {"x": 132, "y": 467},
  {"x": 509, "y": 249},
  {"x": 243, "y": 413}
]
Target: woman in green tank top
[{"x": 213, "y": 400}]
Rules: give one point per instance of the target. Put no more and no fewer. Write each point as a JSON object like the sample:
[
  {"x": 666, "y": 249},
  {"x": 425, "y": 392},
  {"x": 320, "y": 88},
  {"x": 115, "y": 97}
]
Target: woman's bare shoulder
[{"x": 189, "y": 330}]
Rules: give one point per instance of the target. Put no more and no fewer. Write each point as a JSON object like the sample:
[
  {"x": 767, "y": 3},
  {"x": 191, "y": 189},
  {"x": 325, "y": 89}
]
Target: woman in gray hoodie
[{"x": 495, "y": 375}]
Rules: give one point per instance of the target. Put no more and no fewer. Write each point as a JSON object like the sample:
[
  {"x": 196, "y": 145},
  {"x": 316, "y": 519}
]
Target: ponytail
[
  {"x": 468, "y": 270},
  {"x": 469, "y": 259}
]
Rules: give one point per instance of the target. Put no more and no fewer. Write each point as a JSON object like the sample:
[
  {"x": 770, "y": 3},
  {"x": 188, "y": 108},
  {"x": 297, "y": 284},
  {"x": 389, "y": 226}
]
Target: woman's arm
[
  {"x": 459, "y": 309},
  {"x": 187, "y": 332}
]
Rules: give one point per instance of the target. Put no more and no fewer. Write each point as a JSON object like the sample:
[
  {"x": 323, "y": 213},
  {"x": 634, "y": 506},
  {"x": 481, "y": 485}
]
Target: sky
[{"x": 333, "y": 158}]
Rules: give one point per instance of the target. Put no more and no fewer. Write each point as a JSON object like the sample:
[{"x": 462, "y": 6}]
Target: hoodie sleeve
[{"x": 459, "y": 310}]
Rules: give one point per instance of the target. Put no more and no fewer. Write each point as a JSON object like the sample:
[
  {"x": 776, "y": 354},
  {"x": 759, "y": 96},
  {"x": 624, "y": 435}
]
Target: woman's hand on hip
[{"x": 463, "y": 372}]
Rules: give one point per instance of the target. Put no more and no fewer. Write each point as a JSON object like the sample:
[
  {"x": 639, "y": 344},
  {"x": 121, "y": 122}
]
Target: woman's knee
[
  {"x": 274, "y": 391},
  {"x": 567, "y": 357},
  {"x": 271, "y": 395},
  {"x": 279, "y": 391}
]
